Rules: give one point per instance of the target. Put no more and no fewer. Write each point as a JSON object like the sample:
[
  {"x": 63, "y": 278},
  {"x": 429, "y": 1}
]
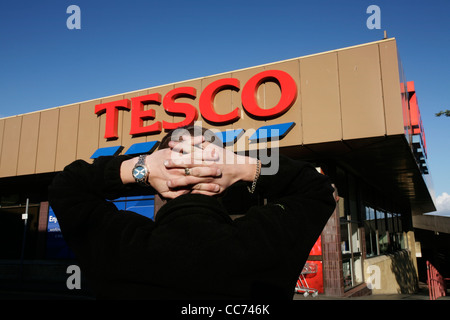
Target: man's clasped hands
[{"x": 193, "y": 165}]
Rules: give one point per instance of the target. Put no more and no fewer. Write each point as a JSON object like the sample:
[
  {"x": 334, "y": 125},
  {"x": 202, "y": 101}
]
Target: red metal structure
[{"x": 436, "y": 283}]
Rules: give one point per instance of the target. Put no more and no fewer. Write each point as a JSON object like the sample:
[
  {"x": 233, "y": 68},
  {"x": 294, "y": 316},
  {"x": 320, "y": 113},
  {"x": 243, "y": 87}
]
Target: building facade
[{"x": 349, "y": 111}]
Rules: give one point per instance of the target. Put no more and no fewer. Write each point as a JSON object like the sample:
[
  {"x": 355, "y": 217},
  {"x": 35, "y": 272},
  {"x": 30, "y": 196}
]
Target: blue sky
[{"x": 129, "y": 45}]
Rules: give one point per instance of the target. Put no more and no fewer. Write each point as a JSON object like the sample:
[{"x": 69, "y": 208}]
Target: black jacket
[{"x": 193, "y": 249}]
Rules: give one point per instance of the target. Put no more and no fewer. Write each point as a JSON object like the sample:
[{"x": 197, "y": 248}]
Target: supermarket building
[{"x": 349, "y": 111}]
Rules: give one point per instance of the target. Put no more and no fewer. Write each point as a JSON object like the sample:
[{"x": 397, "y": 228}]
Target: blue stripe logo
[
  {"x": 143, "y": 147},
  {"x": 108, "y": 151},
  {"x": 272, "y": 132}
]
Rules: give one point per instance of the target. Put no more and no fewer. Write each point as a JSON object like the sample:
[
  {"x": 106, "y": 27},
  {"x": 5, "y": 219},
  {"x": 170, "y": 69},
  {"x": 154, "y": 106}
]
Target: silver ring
[{"x": 187, "y": 171}]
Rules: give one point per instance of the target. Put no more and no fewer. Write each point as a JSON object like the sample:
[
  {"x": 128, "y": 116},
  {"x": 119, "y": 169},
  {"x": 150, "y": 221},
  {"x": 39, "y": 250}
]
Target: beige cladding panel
[
  {"x": 66, "y": 149},
  {"x": 2, "y": 127},
  {"x": 10, "y": 146},
  {"x": 28, "y": 144},
  {"x": 48, "y": 135},
  {"x": 361, "y": 92},
  {"x": 88, "y": 130},
  {"x": 320, "y": 98},
  {"x": 391, "y": 88}
]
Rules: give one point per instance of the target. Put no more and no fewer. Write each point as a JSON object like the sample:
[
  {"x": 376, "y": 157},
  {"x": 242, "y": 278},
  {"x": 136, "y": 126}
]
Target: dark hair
[{"x": 193, "y": 131}]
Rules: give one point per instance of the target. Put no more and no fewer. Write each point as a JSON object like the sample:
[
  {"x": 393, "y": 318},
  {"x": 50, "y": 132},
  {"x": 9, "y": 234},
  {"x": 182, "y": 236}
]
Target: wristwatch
[{"x": 140, "y": 171}]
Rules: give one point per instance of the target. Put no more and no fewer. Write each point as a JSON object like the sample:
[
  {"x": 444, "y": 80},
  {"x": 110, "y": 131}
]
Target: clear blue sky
[{"x": 129, "y": 45}]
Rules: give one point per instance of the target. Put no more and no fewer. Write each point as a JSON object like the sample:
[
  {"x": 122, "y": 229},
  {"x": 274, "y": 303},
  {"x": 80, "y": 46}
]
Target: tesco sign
[{"x": 249, "y": 100}]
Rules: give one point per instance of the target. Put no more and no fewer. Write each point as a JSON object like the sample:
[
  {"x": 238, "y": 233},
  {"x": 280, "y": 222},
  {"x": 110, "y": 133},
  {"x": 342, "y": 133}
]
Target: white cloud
[{"x": 443, "y": 204}]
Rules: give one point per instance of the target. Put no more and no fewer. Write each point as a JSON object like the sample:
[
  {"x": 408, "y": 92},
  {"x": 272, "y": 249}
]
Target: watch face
[{"x": 139, "y": 172}]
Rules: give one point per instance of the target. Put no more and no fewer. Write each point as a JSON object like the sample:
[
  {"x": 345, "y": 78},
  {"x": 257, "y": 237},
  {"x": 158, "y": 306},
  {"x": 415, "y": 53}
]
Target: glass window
[
  {"x": 400, "y": 222},
  {"x": 381, "y": 228},
  {"x": 350, "y": 213},
  {"x": 389, "y": 231},
  {"x": 390, "y": 223},
  {"x": 356, "y": 253},
  {"x": 354, "y": 238},
  {"x": 346, "y": 270},
  {"x": 401, "y": 235},
  {"x": 383, "y": 231},
  {"x": 370, "y": 233},
  {"x": 351, "y": 253},
  {"x": 346, "y": 254},
  {"x": 395, "y": 222}
]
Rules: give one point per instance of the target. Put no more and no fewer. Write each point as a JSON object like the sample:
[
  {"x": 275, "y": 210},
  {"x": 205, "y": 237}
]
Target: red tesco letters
[
  {"x": 138, "y": 114},
  {"x": 112, "y": 115},
  {"x": 249, "y": 100}
]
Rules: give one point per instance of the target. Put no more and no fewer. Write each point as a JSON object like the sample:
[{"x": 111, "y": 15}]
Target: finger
[
  {"x": 208, "y": 154},
  {"x": 188, "y": 138},
  {"x": 186, "y": 143},
  {"x": 199, "y": 155},
  {"x": 205, "y": 172},
  {"x": 176, "y": 146},
  {"x": 193, "y": 170},
  {"x": 206, "y": 193},
  {"x": 172, "y": 194},
  {"x": 193, "y": 140},
  {"x": 181, "y": 147},
  {"x": 178, "y": 160},
  {"x": 187, "y": 181},
  {"x": 206, "y": 188}
]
